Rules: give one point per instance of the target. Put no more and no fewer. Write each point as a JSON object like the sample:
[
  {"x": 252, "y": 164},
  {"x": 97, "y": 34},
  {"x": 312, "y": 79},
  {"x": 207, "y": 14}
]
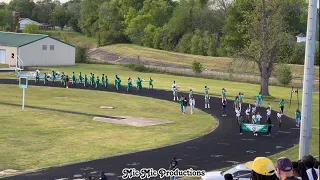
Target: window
[
  {"x": 44, "y": 47},
  {"x": 51, "y": 47}
]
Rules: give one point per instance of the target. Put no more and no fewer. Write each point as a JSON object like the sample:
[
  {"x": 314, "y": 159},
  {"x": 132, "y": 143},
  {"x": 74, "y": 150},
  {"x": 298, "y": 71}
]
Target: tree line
[{"x": 258, "y": 31}]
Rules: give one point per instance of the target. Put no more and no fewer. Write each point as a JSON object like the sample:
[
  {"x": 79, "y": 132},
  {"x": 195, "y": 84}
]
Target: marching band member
[
  {"x": 85, "y": 82},
  {"x": 80, "y": 78},
  {"x": 150, "y": 83},
  {"x": 73, "y": 79},
  {"x": 206, "y": 101},
  {"x": 97, "y": 82},
  {"x": 129, "y": 84}
]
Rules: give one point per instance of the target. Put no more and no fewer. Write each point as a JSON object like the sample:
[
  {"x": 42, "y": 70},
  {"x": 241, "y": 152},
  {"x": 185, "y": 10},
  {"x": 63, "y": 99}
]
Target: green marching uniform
[
  {"x": 206, "y": 90},
  {"x": 139, "y": 84},
  {"x": 129, "y": 84},
  {"x": 85, "y": 83},
  {"x": 151, "y": 83},
  {"x": 80, "y": 78},
  {"x": 117, "y": 82},
  {"x": 93, "y": 81},
  {"x": 181, "y": 103},
  {"x": 73, "y": 79},
  {"x": 103, "y": 82},
  {"x": 53, "y": 76},
  {"x": 97, "y": 82},
  {"x": 190, "y": 93},
  {"x": 37, "y": 77},
  {"x": 223, "y": 94},
  {"x": 107, "y": 81},
  {"x": 45, "y": 81},
  {"x": 63, "y": 80},
  {"x": 91, "y": 84}
]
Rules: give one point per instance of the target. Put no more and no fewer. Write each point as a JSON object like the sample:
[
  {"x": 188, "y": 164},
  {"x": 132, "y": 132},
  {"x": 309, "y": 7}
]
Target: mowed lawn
[
  {"x": 42, "y": 138},
  {"x": 214, "y": 63}
]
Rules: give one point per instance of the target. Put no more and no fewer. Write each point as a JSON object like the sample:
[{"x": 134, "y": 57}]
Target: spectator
[
  {"x": 228, "y": 177},
  {"x": 284, "y": 169},
  {"x": 262, "y": 169},
  {"x": 103, "y": 176},
  {"x": 309, "y": 161},
  {"x": 302, "y": 170},
  {"x": 295, "y": 170},
  {"x": 173, "y": 166}
]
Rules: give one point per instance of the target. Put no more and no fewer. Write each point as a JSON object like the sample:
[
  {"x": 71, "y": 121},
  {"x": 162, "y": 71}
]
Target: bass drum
[{"x": 48, "y": 77}]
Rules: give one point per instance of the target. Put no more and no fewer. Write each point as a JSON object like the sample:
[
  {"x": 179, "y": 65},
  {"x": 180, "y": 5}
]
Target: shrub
[
  {"x": 31, "y": 29},
  {"x": 65, "y": 37},
  {"x": 137, "y": 67},
  {"x": 284, "y": 74},
  {"x": 81, "y": 54},
  {"x": 197, "y": 67}
]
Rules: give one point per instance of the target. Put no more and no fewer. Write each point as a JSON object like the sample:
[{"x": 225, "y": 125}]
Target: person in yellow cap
[{"x": 262, "y": 169}]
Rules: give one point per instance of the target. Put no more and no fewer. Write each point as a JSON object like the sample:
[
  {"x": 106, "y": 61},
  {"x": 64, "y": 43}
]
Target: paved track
[{"x": 221, "y": 148}]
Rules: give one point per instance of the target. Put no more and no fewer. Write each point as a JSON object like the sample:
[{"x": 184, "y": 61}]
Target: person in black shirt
[
  {"x": 224, "y": 107},
  {"x": 184, "y": 104},
  {"x": 269, "y": 122},
  {"x": 173, "y": 166}
]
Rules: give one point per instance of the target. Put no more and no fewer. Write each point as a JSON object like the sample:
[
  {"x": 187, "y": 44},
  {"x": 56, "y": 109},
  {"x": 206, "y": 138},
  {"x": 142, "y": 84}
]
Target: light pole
[{"x": 305, "y": 129}]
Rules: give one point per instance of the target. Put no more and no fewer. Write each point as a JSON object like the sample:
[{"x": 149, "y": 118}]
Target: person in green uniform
[
  {"x": 90, "y": 79},
  {"x": 129, "y": 84},
  {"x": 37, "y": 76},
  {"x": 97, "y": 82},
  {"x": 139, "y": 84},
  {"x": 93, "y": 81},
  {"x": 206, "y": 90},
  {"x": 116, "y": 82},
  {"x": 281, "y": 105},
  {"x": 103, "y": 82},
  {"x": 45, "y": 81},
  {"x": 175, "y": 93},
  {"x": 190, "y": 93},
  {"x": 151, "y": 83},
  {"x": 236, "y": 103},
  {"x": 254, "y": 121},
  {"x": 85, "y": 82},
  {"x": 181, "y": 103},
  {"x": 80, "y": 78},
  {"x": 206, "y": 101},
  {"x": 73, "y": 78},
  {"x": 259, "y": 99},
  {"x": 240, "y": 99},
  {"x": 53, "y": 76},
  {"x": 107, "y": 81},
  {"x": 240, "y": 121},
  {"x": 298, "y": 117},
  {"x": 223, "y": 94}
]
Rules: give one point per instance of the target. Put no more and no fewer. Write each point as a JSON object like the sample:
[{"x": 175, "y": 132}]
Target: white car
[{"x": 239, "y": 170}]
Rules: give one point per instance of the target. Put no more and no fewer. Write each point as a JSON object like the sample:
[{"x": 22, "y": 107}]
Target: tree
[
  {"x": 43, "y": 10},
  {"x": 195, "y": 42},
  {"x": 24, "y": 7},
  {"x": 212, "y": 45},
  {"x": 31, "y": 29},
  {"x": 197, "y": 67},
  {"x": 6, "y": 20},
  {"x": 184, "y": 43},
  {"x": 60, "y": 17},
  {"x": 262, "y": 28},
  {"x": 73, "y": 10},
  {"x": 135, "y": 29},
  {"x": 284, "y": 74},
  {"x": 149, "y": 33}
]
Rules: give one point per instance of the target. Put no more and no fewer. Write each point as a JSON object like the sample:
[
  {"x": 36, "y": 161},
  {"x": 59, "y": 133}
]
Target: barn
[{"x": 35, "y": 50}]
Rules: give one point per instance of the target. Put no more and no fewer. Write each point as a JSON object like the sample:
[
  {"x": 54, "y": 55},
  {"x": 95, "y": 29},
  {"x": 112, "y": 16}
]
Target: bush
[
  {"x": 197, "y": 67},
  {"x": 31, "y": 29},
  {"x": 81, "y": 54},
  {"x": 137, "y": 67},
  {"x": 284, "y": 74}
]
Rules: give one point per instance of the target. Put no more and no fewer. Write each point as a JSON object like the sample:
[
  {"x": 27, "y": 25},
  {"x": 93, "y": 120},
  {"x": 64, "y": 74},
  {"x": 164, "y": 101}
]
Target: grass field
[
  {"x": 162, "y": 81},
  {"x": 214, "y": 63},
  {"x": 41, "y": 138}
]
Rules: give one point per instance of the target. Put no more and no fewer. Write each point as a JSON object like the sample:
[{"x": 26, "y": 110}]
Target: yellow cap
[{"x": 261, "y": 165}]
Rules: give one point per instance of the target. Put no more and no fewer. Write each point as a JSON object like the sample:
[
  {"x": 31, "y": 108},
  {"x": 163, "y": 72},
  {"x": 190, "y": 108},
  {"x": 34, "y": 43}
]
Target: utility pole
[{"x": 305, "y": 128}]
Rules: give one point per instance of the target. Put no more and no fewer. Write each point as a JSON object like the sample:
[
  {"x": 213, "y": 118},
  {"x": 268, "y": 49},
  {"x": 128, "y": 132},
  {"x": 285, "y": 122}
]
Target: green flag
[{"x": 261, "y": 128}]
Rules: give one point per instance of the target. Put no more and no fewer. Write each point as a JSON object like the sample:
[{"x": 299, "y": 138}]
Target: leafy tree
[
  {"x": 184, "y": 43},
  {"x": 60, "y": 17},
  {"x": 255, "y": 35},
  {"x": 149, "y": 33},
  {"x": 284, "y": 74},
  {"x": 135, "y": 30},
  {"x": 24, "y": 7},
  {"x": 6, "y": 20},
  {"x": 81, "y": 54},
  {"x": 31, "y": 29},
  {"x": 212, "y": 45},
  {"x": 73, "y": 10},
  {"x": 197, "y": 67},
  {"x": 43, "y": 10},
  {"x": 195, "y": 42}
]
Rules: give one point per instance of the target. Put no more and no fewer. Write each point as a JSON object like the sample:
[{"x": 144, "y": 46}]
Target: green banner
[{"x": 261, "y": 128}]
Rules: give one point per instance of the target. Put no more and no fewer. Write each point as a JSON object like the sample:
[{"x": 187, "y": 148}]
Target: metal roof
[{"x": 22, "y": 39}]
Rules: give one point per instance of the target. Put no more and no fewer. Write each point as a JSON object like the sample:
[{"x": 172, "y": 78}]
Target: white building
[
  {"x": 301, "y": 38},
  {"x": 35, "y": 50},
  {"x": 25, "y": 21}
]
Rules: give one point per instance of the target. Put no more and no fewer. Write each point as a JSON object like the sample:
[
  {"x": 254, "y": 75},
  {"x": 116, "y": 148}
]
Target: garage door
[{"x": 2, "y": 56}]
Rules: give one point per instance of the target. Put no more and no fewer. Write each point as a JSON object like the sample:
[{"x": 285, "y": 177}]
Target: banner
[{"x": 261, "y": 128}]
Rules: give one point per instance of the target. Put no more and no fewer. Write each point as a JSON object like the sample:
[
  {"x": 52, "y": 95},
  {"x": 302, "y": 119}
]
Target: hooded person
[
  {"x": 309, "y": 162},
  {"x": 262, "y": 169}
]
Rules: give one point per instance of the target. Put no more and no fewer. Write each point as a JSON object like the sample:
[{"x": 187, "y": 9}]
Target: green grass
[
  {"x": 40, "y": 138},
  {"x": 214, "y": 63}
]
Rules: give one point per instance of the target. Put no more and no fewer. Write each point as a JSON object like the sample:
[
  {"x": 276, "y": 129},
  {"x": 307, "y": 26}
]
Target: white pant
[
  {"x": 191, "y": 108},
  {"x": 184, "y": 109}
]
